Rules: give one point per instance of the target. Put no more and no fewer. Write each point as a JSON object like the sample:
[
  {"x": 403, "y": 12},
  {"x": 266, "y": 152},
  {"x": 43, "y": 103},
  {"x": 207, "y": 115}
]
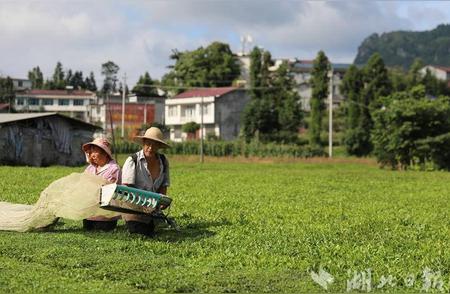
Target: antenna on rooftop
[{"x": 245, "y": 40}]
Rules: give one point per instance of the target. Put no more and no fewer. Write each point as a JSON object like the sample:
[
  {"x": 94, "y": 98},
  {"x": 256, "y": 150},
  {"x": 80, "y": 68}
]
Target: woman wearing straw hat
[
  {"x": 147, "y": 170},
  {"x": 99, "y": 156}
]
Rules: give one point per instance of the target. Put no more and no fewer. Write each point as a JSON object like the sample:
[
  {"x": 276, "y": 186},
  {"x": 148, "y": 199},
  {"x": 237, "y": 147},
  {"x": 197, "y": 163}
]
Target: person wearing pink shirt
[{"x": 101, "y": 163}]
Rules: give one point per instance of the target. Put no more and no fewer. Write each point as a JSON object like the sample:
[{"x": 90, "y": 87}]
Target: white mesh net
[{"x": 75, "y": 197}]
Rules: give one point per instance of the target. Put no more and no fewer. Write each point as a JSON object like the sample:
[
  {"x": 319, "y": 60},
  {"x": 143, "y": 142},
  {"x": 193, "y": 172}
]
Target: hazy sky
[{"x": 139, "y": 35}]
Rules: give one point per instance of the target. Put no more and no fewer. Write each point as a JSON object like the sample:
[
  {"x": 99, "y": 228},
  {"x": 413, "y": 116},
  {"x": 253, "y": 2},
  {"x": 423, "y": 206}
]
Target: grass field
[{"x": 258, "y": 227}]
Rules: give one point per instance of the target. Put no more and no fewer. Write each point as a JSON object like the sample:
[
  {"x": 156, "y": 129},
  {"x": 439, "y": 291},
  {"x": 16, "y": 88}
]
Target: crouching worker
[
  {"x": 98, "y": 154},
  {"x": 146, "y": 170}
]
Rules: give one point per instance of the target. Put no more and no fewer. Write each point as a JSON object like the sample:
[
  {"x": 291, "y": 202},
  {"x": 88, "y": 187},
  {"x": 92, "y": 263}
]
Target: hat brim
[
  {"x": 163, "y": 144},
  {"x": 107, "y": 151}
]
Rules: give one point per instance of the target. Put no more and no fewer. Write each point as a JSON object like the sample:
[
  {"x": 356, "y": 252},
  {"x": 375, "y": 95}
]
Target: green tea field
[{"x": 248, "y": 227}]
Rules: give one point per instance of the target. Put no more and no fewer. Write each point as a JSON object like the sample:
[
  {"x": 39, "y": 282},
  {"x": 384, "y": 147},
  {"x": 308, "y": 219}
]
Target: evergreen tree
[
  {"x": 77, "y": 80},
  {"x": 36, "y": 77},
  {"x": 90, "y": 83},
  {"x": 7, "y": 94},
  {"x": 414, "y": 77},
  {"x": 145, "y": 86},
  {"x": 69, "y": 77},
  {"x": 287, "y": 104},
  {"x": 351, "y": 87},
  {"x": 260, "y": 117},
  {"x": 58, "y": 81},
  {"x": 110, "y": 70},
  {"x": 319, "y": 84},
  {"x": 274, "y": 112}
]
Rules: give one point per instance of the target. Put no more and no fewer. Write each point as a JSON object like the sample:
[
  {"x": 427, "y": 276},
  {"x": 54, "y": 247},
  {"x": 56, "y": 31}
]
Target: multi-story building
[
  {"x": 220, "y": 110},
  {"x": 21, "y": 84},
  {"x": 73, "y": 103},
  {"x": 301, "y": 71}
]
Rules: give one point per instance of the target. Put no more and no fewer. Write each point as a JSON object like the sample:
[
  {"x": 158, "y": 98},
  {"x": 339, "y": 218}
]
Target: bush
[
  {"x": 411, "y": 131},
  {"x": 229, "y": 148}
]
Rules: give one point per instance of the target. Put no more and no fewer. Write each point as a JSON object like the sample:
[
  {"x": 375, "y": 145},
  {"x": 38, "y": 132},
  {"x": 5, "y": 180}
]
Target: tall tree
[
  {"x": 145, "y": 86},
  {"x": 414, "y": 77},
  {"x": 36, "y": 77},
  {"x": 109, "y": 70},
  {"x": 259, "y": 118},
  {"x": 319, "y": 84},
  {"x": 213, "y": 66},
  {"x": 377, "y": 85},
  {"x": 90, "y": 83},
  {"x": 58, "y": 81},
  {"x": 77, "y": 80},
  {"x": 69, "y": 76},
  {"x": 351, "y": 88},
  {"x": 287, "y": 104},
  {"x": 274, "y": 112},
  {"x": 6, "y": 91}
]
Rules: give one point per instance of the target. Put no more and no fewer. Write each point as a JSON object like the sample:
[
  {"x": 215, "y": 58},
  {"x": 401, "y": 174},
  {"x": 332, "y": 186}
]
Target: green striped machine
[{"x": 131, "y": 200}]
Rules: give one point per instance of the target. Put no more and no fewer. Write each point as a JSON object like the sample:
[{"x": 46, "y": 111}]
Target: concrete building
[
  {"x": 222, "y": 111},
  {"x": 42, "y": 139},
  {"x": 72, "y": 103},
  {"x": 301, "y": 71},
  {"x": 21, "y": 84}
]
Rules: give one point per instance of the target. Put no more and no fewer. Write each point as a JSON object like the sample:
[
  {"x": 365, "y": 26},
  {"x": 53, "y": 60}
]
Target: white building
[
  {"x": 301, "y": 71},
  {"x": 21, "y": 84},
  {"x": 222, "y": 111},
  {"x": 440, "y": 72},
  {"x": 72, "y": 103}
]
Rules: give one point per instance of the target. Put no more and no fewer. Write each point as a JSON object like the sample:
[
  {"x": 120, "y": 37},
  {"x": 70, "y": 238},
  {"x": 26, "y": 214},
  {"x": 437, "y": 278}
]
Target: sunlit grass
[{"x": 259, "y": 227}]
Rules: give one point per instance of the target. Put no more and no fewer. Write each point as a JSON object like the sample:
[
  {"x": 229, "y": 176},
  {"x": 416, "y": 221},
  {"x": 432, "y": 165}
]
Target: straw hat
[
  {"x": 156, "y": 135},
  {"x": 101, "y": 143}
]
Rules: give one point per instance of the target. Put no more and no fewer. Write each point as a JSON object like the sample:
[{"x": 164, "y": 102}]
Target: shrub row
[{"x": 229, "y": 148}]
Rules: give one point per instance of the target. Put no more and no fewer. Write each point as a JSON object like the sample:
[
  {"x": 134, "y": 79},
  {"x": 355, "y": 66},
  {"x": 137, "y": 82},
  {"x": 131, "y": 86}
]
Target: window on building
[
  {"x": 78, "y": 102},
  {"x": 33, "y": 101},
  {"x": 20, "y": 101},
  {"x": 189, "y": 111},
  {"x": 20, "y": 84},
  {"x": 63, "y": 102},
  {"x": 48, "y": 101},
  {"x": 173, "y": 110},
  {"x": 206, "y": 108}
]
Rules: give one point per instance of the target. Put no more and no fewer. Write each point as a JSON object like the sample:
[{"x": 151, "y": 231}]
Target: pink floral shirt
[{"x": 110, "y": 171}]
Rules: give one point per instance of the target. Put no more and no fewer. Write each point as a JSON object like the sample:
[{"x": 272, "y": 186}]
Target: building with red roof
[
  {"x": 440, "y": 72},
  {"x": 221, "y": 115}
]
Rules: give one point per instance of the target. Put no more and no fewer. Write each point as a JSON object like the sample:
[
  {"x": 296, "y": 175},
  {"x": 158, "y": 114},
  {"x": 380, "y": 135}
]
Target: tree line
[{"x": 402, "y": 118}]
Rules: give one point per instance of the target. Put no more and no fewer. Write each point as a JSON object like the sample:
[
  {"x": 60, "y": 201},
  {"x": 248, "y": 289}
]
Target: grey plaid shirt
[{"x": 139, "y": 176}]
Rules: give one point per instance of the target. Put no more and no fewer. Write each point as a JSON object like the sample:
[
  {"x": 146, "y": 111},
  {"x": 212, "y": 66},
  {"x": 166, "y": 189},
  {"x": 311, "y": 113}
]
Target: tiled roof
[
  {"x": 13, "y": 117},
  {"x": 38, "y": 92},
  {"x": 206, "y": 92}
]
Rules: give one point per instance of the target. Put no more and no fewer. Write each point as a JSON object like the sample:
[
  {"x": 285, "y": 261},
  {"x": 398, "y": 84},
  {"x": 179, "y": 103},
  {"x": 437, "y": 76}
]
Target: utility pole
[
  {"x": 145, "y": 113},
  {"x": 124, "y": 88},
  {"x": 330, "y": 116},
  {"x": 201, "y": 131}
]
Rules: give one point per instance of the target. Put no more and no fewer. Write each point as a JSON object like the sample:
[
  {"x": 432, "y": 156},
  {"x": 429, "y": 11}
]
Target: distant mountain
[{"x": 400, "y": 48}]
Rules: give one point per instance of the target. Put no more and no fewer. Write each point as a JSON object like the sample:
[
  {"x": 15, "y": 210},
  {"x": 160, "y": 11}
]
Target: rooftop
[
  {"x": 39, "y": 92},
  {"x": 206, "y": 92},
  {"x": 13, "y": 117}
]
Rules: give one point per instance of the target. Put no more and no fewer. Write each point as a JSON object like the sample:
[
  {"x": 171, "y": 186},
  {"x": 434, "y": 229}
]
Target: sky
[{"x": 139, "y": 36}]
